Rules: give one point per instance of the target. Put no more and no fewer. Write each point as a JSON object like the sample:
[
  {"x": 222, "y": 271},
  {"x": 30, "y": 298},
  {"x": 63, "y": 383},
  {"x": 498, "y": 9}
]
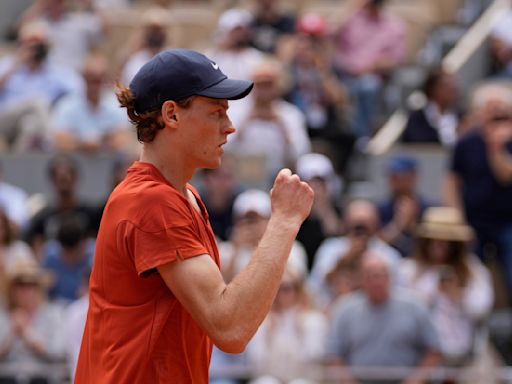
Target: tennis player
[{"x": 158, "y": 302}]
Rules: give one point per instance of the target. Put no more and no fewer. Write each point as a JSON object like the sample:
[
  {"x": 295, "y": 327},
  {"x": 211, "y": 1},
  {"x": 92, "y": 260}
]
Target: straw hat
[
  {"x": 28, "y": 272},
  {"x": 444, "y": 223}
]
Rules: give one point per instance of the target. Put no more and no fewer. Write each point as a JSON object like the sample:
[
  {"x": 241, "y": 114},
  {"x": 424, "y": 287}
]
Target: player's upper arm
[{"x": 198, "y": 285}]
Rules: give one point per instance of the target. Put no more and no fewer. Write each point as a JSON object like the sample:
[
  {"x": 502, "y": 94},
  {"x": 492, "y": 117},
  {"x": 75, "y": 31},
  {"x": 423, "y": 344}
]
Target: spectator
[
  {"x": 219, "y": 190},
  {"x": 29, "y": 85},
  {"x": 401, "y": 211},
  {"x": 324, "y": 220},
  {"x": 147, "y": 43},
  {"x": 72, "y": 35},
  {"x": 232, "y": 51},
  {"x": 13, "y": 201},
  {"x": 378, "y": 327},
  {"x": 501, "y": 45},
  {"x": 292, "y": 337},
  {"x": 68, "y": 258},
  {"x": 63, "y": 174},
  {"x": 91, "y": 121},
  {"x": 479, "y": 181},
  {"x": 437, "y": 121},
  {"x": 317, "y": 92},
  {"x": 270, "y": 25},
  {"x": 369, "y": 46},
  {"x": 361, "y": 223},
  {"x": 267, "y": 125},
  {"x": 452, "y": 282},
  {"x": 251, "y": 211},
  {"x": 30, "y": 329}
]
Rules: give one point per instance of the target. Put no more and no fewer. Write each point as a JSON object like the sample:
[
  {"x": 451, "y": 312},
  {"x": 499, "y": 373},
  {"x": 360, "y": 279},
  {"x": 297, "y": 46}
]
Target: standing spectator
[
  {"x": 90, "y": 121},
  {"x": 501, "y": 45},
  {"x": 63, "y": 173},
  {"x": 267, "y": 125},
  {"x": 147, "y": 43},
  {"x": 378, "y": 327},
  {"x": 317, "y": 92},
  {"x": 437, "y": 121},
  {"x": 292, "y": 337},
  {"x": 72, "y": 34},
  {"x": 452, "y": 282},
  {"x": 29, "y": 86},
  {"x": 361, "y": 223},
  {"x": 219, "y": 189},
  {"x": 251, "y": 211},
  {"x": 401, "y": 211},
  {"x": 324, "y": 220},
  {"x": 68, "y": 258},
  {"x": 479, "y": 181},
  {"x": 270, "y": 25},
  {"x": 369, "y": 46},
  {"x": 232, "y": 51},
  {"x": 30, "y": 329}
]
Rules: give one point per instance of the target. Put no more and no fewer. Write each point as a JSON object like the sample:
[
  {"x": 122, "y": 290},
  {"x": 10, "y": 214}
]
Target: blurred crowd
[{"x": 400, "y": 282}]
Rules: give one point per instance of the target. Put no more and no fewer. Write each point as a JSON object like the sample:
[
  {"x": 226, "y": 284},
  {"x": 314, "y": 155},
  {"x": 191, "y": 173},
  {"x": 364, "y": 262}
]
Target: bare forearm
[
  {"x": 431, "y": 360},
  {"x": 248, "y": 298}
]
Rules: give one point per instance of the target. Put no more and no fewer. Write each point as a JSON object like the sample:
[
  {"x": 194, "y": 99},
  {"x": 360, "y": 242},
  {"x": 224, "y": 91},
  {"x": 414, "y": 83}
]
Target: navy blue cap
[
  {"x": 399, "y": 164},
  {"x": 176, "y": 74}
]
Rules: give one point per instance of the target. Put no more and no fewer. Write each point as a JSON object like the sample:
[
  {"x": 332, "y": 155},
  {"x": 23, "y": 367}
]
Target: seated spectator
[
  {"x": 72, "y": 34},
  {"x": 219, "y": 190},
  {"x": 437, "y": 121},
  {"x": 401, "y": 211},
  {"x": 267, "y": 125},
  {"x": 270, "y": 25},
  {"x": 148, "y": 41},
  {"x": 13, "y": 201},
  {"x": 63, "y": 174},
  {"x": 324, "y": 220},
  {"x": 317, "y": 92},
  {"x": 292, "y": 337},
  {"x": 452, "y": 282},
  {"x": 232, "y": 51},
  {"x": 29, "y": 86},
  {"x": 501, "y": 45},
  {"x": 30, "y": 329},
  {"x": 361, "y": 223},
  {"x": 91, "y": 121},
  {"x": 251, "y": 211},
  {"x": 479, "y": 182},
  {"x": 378, "y": 327},
  {"x": 68, "y": 258},
  {"x": 369, "y": 46}
]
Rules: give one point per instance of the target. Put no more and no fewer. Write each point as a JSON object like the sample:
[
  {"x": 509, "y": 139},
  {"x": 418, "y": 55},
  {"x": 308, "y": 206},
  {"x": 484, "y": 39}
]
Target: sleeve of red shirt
[{"x": 164, "y": 234}]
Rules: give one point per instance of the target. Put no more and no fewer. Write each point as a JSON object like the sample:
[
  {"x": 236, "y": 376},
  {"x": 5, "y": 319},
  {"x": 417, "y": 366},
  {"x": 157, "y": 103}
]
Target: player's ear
[{"x": 169, "y": 115}]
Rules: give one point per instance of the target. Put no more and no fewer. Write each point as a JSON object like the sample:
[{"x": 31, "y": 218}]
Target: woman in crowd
[
  {"x": 453, "y": 282},
  {"x": 291, "y": 338}
]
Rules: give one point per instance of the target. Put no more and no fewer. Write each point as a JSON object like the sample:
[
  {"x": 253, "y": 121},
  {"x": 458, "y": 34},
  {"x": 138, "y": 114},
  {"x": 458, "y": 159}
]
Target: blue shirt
[
  {"x": 68, "y": 278},
  {"x": 48, "y": 84},
  {"x": 86, "y": 123}
]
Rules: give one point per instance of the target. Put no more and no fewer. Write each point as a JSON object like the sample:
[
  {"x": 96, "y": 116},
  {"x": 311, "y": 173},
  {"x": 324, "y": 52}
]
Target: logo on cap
[{"x": 215, "y": 65}]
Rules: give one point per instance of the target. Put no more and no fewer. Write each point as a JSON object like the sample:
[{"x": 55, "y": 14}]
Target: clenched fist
[{"x": 291, "y": 198}]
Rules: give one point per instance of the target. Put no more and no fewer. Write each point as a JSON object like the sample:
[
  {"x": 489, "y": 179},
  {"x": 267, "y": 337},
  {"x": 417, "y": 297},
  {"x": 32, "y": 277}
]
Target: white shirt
[
  {"x": 237, "y": 64},
  {"x": 266, "y": 138},
  {"x": 13, "y": 200},
  {"x": 133, "y": 64},
  {"x": 446, "y": 123},
  {"x": 502, "y": 29},
  {"x": 74, "y": 324}
]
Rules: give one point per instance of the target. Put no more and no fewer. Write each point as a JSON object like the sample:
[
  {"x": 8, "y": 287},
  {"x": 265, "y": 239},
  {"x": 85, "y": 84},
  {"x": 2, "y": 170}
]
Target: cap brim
[{"x": 228, "y": 89}]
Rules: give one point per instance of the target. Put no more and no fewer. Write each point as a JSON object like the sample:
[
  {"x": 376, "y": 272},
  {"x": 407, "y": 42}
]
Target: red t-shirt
[{"x": 136, "y": 330}]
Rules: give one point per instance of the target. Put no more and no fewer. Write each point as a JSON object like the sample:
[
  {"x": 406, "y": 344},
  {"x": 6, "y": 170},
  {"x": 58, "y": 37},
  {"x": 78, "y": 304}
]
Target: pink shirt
[{"x": 364, "y": 40}]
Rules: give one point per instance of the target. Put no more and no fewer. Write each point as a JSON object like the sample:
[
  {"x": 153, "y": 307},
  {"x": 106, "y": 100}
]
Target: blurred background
[{"x": 397, "y": 112}]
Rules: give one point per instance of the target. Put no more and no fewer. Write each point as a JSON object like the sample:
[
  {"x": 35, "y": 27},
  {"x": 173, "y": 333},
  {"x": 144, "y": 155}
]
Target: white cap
[
  {"x": 233, "y": 18},
  {"x": 252, "y": 200},
  {"x": 314, "y": 165}
]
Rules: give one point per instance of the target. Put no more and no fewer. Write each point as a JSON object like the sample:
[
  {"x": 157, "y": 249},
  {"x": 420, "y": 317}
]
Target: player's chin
[{"x": 213, "y": 163}]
